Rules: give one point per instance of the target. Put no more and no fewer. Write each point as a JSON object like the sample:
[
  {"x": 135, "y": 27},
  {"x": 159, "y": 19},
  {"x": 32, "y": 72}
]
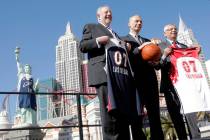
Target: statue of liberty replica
[{"x": 26, "y": 104}]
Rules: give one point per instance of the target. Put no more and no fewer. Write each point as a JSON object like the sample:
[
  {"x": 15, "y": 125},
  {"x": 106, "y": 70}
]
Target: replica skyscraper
[{"x": 68, "y": 66}]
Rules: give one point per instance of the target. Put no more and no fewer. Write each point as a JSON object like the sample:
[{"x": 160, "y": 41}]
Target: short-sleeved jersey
[{"x": 122, "y": 93}]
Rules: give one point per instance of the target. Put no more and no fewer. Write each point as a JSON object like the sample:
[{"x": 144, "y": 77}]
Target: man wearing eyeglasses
[{"x": 172, "y": 99}]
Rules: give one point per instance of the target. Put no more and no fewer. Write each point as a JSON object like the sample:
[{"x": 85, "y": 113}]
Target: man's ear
[
  {"x": 129, "y": 24},
  {"x": 98, "y": 17},
  {"x": 164, "y": 34}
]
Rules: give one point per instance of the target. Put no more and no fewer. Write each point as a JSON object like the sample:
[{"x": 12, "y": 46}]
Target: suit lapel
[
  {"x": 181, "y": 45},
  {"x": 132, "y": 39},
  {"x": 105, "y": 30},
  {"x": 144, "y": 40},
  {"x": 167, "y": 43}
]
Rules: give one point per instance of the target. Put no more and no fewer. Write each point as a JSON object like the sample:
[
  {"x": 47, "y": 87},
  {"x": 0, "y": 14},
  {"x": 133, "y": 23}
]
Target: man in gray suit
[
  {"x": 166, "y": 87},
  {"x": 146, "y": 80},
  {"x": 94, "y": 39}
]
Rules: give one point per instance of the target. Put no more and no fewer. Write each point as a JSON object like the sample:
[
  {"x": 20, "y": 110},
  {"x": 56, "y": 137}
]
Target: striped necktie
[
  {"x": 139, "y": 39},
  {"x": 174, "y": 44}
]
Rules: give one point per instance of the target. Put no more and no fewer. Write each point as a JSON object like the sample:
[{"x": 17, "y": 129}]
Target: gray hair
[
  {"x": 167, "y": 26},
  {"x": 136, "y": 15},
  {"x": 99, "y": 9}
]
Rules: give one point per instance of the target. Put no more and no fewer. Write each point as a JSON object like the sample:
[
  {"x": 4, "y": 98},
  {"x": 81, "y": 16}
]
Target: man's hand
[
  {"x": 155, "y": 41},
  {"x": 128, "y": 46},
  {"x": 144, "y": 44},
  {"x": 102, "y": 39},
  {"x": 167, "y": 51}
]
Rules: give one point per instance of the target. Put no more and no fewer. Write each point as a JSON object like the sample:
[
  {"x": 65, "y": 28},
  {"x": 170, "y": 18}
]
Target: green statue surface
[{"x": 26, "y": 111}]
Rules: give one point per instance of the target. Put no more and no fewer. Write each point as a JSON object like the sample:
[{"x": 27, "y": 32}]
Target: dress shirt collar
[
  {"x": 136, "y": 37},
  {"x": 114, "y": 34},
  {"x": 171, "y": 42},
  {"x": 106, "y": 26},
  {"x": 133, "y": 34}
]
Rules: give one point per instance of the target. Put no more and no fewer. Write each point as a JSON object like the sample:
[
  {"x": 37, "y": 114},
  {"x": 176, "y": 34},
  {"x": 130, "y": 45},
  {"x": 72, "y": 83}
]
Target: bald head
[
  {"x": 135, "y": 24},
  {"x": 134, "y": 17}
]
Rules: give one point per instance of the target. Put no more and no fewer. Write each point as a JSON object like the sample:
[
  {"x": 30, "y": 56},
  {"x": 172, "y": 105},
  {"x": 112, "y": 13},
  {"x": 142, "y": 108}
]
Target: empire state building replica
[{"x": 68, "y": 67}]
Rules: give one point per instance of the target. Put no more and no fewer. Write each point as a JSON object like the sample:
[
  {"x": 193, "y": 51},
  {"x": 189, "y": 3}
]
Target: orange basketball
[{"x": 151, "y": 52}]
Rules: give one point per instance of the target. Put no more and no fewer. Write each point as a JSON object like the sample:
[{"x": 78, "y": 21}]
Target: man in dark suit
[
  {"x": 166, "y": 87},
  {"x": 95, "y": 37},
  {"x": 145, "y": 76}
]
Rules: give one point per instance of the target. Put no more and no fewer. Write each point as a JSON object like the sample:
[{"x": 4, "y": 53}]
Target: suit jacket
[
  {"x": 144, "y": 74},
  {"x": 96, "y": 55},
  {"x": 165, "y": 83}
]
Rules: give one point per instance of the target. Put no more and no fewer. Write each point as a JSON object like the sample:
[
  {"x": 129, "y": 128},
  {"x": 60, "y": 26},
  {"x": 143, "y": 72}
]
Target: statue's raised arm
[{"x": 17, "y": 57}]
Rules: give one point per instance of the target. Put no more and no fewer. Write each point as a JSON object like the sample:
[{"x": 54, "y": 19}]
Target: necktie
[
  {"x": 139, "y": 39},
  {"x": 174, "y": 45}
]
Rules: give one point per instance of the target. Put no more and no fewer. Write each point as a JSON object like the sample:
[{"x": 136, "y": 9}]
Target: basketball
[{"x": 151, "y": 52}]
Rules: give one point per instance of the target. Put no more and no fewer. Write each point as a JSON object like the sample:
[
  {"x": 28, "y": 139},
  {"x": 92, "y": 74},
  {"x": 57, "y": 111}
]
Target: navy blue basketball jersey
[
  {"x": 27, "y": 100},
  {"x": 122, "y": 93}
]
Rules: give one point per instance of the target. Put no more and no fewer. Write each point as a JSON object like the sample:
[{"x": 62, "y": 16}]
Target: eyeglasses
[{"x": 171, "y": 29}]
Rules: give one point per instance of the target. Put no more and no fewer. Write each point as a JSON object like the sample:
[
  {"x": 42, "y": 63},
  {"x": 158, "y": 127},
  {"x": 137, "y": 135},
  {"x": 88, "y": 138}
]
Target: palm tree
[
  {"x": 203, "y": 118},
  {"x": 147, "y": 133},
  {"x": 200, "y": 115},
  {"x": 203, "y": 115},
  {"x": 168, "y": 128}
]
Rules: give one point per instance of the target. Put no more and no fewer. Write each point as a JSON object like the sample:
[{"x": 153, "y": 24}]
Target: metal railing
[
  {"x": 78, "y": 125},
  {"x": 79, "y": 114}
]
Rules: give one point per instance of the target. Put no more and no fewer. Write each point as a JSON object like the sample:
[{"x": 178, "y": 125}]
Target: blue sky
[{"x": 36, "y": 25}]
